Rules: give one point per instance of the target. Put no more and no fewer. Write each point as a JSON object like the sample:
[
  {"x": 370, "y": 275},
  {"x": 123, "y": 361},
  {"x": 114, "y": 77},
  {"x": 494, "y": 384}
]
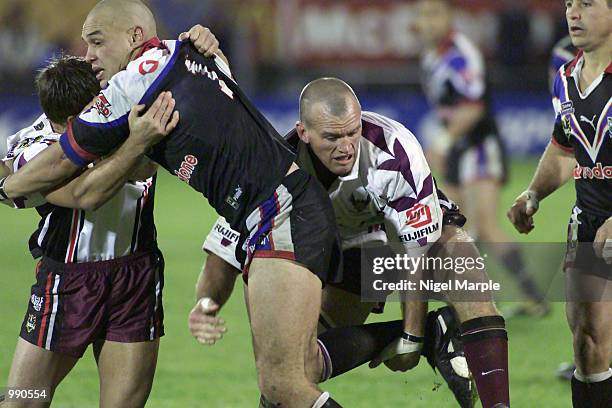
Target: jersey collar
[{"x": 154, "y": 42}]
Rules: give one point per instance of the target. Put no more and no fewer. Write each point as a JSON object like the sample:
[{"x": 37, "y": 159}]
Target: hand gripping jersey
[
  {"x": 222, "y": 147},
  {"x": 122, "y": 226},
  {"x": 389, "y": 196},
  {"x": 583, "y": 126},
  {"x": 454, "y": 74}
]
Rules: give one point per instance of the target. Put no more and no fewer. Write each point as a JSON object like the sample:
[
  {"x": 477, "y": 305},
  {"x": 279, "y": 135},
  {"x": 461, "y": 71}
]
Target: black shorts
[
  {"x": 73, "y": 305},
  {"x": 470, "y": 162},
  {"x": 297, "y": 223},
  {"x": 580, "y": 255}
]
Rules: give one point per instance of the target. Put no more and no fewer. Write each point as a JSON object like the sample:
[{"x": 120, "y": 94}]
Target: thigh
[
  {"x": 34, "y": 366},
  {"x": 126, "y": 372},
  {"x": 284, "y": 302}
]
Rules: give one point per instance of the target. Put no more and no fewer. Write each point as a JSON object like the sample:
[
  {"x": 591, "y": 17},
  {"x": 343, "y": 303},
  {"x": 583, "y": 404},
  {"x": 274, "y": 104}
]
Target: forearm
[
  {"x": 414, "y": 313},
  {"x": 46, "y": 171},
  {"x": 216, "y": 281},
  {"x": 554, "y": 170},
  {"x": 463, "y": 120},
  {"x": 5, "y": 168}
]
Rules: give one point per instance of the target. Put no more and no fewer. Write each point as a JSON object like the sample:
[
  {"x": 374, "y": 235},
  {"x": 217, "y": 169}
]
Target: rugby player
[
  {"x": 375, "y": 173},
  {"x": 581, "y": 146},
  {"x": 472, "y": 152},
  {"x": 100, "y": 278},
  {"x": 217, "y": 148}
]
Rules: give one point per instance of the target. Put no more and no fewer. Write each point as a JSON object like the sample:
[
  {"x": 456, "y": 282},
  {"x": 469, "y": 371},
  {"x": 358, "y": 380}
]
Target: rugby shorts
[
  {"x": 73, "y": 305},
  {"x": 580, "y": 256},
  {"x": 472, "y": 162},
  {"x": 296, "y": 223}
]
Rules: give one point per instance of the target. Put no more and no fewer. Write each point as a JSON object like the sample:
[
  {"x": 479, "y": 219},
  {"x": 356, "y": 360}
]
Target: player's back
[{"x": 222, "y": 147}]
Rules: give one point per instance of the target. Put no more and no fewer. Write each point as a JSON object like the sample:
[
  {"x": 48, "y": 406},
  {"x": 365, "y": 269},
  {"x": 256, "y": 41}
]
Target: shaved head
[
  {"x": 124, "y": 14},
  {"x": 329, "y": 96},
  {"x": 116, "y": 32}
]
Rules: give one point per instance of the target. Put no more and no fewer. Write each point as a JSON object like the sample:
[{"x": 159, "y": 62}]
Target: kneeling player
[{"x": 375, "y": 173}]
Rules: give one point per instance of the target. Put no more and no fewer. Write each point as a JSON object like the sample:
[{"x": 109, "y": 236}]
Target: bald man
[
  {"x": 382, "y": 191},
  {"x": 285, "y": 219}
]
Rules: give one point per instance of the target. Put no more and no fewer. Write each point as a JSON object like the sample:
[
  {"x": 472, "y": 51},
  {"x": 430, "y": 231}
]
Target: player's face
[
  {"x": 335, "y": 140},
  {"x": 108, "y": 47},
  {"x": 589, "y": 23},
  {"x": 433, "y": 21}
]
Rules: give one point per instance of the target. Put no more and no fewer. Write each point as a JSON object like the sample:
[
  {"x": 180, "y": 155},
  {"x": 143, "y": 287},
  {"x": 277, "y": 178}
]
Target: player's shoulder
[
  {"x": 565, "y": 71},
  {"x": 463, "y": 53},
  {"x": 40, "y": 131},
  {"x": 382, "y": 133}
]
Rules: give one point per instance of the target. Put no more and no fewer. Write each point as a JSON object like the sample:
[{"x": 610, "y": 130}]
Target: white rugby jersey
[
  {"x": 391, "y": 185},
  {"x": 122, "y": 226}
]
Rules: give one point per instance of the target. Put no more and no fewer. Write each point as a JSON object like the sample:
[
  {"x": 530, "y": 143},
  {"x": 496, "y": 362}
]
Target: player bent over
[{"x": 375, "y": 172}]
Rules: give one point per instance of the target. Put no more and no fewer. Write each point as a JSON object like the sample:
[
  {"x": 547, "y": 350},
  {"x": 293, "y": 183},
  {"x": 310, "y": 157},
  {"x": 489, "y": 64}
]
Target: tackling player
[
  {"x": 471, "y": 149},
  {"x": 375, "y": 173},
  {"x": 581, "y": 146},
  {"x": 218, "y": 149},
  {"x": 100, "y": 278}
]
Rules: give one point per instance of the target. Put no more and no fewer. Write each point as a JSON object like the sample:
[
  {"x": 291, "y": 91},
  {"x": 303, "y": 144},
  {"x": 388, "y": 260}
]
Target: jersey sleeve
[
  {"x": 20, "y": 160},
  {"x": 559, "y": 136},
  {"x": 222, "y": 241},
  {"x": 99, "y": 129},
  {"x": 412, "y": 212},
  {"x": 467, "y": 77}
]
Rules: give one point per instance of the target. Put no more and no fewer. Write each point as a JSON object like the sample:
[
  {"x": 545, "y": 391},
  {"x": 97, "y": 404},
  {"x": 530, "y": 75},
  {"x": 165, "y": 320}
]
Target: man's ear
[
  {"x": 137, "y": 36},
  {"x": 301, "y": 131}
]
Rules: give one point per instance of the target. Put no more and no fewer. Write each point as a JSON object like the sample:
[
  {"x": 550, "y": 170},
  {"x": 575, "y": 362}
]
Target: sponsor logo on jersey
[
  {"x": 37, "y": 302},
  {"x": 31, "y": 323},
  {"x": 418, "y": 216},
  {"x": 187, "y": 167},
  {"x": 413, "y": 236},
  {"x": 229, "y": 236},
  {"x": 234, "y": 200},
  {"x": 148, "y": 66},
  {"x": 103, "y": 105},
  {"x": 39, "y": 126},
  {"x": 599, "y": 172},
  {"x": 589, "y": 121},
  {"x": 567, "y": 108}
]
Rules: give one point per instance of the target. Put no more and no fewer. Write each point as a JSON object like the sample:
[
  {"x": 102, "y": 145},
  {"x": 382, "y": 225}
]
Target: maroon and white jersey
[
  {"x": 122, "y": 226},
  {"x": 390, "y": 185}
]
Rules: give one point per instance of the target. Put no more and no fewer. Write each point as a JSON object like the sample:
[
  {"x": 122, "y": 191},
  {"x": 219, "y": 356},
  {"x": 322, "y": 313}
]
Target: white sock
[{"x": 593, "y": 378}]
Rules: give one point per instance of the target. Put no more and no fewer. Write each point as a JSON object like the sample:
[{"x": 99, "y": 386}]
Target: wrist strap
[
  {"x": 3, "y": 195},
  {"x": 413, "y": 338}
]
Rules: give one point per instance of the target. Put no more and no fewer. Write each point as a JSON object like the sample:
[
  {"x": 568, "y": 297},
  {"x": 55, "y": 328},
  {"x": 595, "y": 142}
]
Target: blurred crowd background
[{"x": 276, "y": 46}]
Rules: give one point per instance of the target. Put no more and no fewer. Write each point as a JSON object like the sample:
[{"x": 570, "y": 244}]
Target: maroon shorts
[{"x": 73, "y": 305}]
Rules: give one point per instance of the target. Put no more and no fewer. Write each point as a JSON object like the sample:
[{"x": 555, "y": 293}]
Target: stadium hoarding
[{"x": 525, "y": 119}]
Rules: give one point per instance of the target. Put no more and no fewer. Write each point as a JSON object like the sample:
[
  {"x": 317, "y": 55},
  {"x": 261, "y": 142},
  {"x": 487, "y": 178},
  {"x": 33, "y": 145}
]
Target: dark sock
[
  {"x": 350, "y": 347},
  {"x": 513, "y": 262},
  {"x": 592, "y": 395},
  {"x": 485, "y": 344}
]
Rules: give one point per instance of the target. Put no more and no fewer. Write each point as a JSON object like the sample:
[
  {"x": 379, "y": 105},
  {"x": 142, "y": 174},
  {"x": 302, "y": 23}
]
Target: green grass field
[{"x": 191, "y": 375}]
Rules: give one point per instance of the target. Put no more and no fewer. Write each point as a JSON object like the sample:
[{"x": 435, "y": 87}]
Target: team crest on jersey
[
  {"x": 39, "y": 126},
  {"x": 103, "y": 105},
  {"x": 234, "y": 201},
  {"x": 360, "y": 199},
  {"x": 37, "y": 302},
  {"x": 31, "y": 323}
]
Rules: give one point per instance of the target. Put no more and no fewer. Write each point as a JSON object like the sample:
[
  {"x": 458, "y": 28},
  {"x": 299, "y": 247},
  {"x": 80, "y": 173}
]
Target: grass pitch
[{"x": 191, "y": 375}]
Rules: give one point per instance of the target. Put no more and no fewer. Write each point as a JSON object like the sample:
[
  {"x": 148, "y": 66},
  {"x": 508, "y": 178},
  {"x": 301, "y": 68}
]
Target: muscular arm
[
  {"x": 554, "y": 170},
  {"x": 216, "y": 281}
]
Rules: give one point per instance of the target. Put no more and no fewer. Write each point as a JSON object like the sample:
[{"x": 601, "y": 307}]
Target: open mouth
[
  {"x": 343, "y": 160},
  {"x": 576, "y": 30}
]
